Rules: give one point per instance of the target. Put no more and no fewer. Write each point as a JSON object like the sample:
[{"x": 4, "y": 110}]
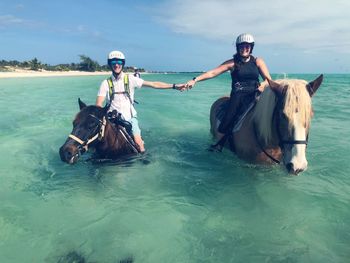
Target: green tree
[
  {"x": 35, "y": 64},
  {"x": 87, "y": 64}
]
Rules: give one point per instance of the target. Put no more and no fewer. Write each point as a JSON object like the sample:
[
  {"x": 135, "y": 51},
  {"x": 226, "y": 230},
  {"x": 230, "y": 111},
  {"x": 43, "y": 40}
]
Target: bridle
[
  {"x": 281, "y": 141},
  {"x": 99, "y": 135},
  {"x": 83, "y": 145}
]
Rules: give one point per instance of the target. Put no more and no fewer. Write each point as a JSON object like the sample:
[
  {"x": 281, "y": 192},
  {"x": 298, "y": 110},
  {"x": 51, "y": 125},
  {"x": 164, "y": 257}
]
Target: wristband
[
  {"x": 174, "y": 86},
  {"x": 194, "y": 78}
]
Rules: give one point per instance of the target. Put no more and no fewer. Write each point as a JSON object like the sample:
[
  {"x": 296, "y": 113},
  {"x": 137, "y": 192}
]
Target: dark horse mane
[{"x": 93, "y": 129}]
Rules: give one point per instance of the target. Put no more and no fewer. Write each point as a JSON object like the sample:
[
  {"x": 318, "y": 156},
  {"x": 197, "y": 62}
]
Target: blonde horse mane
[{"x": 296, "y": 100}]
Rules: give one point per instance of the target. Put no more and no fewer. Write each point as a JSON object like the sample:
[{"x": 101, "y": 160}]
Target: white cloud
[
  {"x": 9, "y": 21},
  {"x": 302, "y": 24},
  {"x": 6, "y": 20}
]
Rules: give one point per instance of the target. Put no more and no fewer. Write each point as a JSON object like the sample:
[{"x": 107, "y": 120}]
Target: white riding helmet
[
  {"x": 245, "y": 38},
  {"x": 116, "y": 55}
]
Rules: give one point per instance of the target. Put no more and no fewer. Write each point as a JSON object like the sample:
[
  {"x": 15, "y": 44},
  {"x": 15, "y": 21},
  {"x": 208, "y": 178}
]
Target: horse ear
[
  {"x": 275, "y": 86},
  {"x": 314, "y": 85},
  {"x": 81, "y": 104}
]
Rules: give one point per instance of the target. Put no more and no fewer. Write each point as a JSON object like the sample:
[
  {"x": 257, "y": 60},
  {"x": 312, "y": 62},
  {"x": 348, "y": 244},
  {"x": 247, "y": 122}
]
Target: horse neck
[
  {"x": 264, "y": 118},
  {"x": 113, "y": 139}
]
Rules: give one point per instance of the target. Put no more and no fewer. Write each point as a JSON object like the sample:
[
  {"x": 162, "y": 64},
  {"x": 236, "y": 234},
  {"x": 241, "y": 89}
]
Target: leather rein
[{"x": 83, "y": 145}]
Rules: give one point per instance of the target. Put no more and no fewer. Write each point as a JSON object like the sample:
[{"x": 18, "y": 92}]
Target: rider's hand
[
  {"x": 190, "y": 84},
  {"x": 181, "y": 87}
]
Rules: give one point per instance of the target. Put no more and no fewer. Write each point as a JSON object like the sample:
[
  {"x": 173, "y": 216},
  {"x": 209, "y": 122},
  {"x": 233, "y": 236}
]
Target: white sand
[{"x": 21, "y": 73}]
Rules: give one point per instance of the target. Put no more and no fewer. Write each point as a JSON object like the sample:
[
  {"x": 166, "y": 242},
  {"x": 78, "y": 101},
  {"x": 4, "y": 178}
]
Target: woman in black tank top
[{"x": 245, "y": 71}]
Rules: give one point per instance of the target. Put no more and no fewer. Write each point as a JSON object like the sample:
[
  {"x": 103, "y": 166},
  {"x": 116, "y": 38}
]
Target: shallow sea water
[{"x": 187, "y": 204}]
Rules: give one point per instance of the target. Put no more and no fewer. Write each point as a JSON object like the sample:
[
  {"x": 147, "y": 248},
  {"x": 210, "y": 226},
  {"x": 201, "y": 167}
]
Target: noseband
[
  {"x": 282, "y": 142},
  {"x": 83, "y": 145}
]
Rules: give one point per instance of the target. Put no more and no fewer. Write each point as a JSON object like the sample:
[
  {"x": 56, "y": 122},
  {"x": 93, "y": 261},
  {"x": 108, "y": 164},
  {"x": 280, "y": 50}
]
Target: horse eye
[{"x": 92, "y": 124}]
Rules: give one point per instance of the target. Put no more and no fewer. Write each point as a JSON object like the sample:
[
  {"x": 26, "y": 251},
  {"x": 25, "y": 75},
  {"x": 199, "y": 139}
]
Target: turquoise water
[{"x": 188, "y": 204}]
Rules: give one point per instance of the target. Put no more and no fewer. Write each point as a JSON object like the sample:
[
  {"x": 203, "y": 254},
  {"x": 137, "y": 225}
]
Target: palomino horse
[
  {"x": 277, "y": 128},
  {"x": 91, "y": 128}
]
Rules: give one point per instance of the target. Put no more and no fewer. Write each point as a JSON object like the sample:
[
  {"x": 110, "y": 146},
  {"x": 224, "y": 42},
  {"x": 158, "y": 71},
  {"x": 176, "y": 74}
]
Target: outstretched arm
[
  {"x": 162, "y": 85},
  {"x": 227, "y": 65}
]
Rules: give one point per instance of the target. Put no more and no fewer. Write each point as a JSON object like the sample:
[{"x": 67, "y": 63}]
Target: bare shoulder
[
  {"x": 259, "y": 61},
  {"x": 228, "y": 64}
]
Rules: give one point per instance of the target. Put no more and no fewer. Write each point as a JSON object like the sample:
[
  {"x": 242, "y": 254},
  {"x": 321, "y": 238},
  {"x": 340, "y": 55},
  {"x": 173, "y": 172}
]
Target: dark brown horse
[
  {"x": 92, "y": 129},
  {"x": 277, "y": 128}
]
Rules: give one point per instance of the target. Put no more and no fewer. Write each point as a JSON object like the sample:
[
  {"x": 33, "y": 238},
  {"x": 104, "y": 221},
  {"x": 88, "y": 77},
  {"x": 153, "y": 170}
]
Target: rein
[
  {"x": 261, "y": 148},
  {"x": 83, "y": 145},
  {"x": 99, "y": 135}
]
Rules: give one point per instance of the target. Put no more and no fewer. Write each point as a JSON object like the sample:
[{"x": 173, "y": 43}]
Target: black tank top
[{"x": 245, "y": 75}]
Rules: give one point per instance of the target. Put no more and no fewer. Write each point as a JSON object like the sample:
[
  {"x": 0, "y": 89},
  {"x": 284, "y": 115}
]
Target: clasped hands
[{"x": 185, "y": 86}]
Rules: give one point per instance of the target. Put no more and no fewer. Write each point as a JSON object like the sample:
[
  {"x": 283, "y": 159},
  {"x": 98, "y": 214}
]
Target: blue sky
[{"x": 299, "y": 36}]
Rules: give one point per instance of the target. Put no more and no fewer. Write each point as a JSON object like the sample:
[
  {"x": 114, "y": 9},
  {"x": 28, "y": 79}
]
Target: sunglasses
[
  {"x": 244, "y": 46},
  {"x": 116, "y": 61}
]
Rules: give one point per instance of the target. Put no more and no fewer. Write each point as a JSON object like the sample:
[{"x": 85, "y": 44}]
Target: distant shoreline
[
  {"x": 19, "y": 73},
  {"x": 23, "y": 73}
]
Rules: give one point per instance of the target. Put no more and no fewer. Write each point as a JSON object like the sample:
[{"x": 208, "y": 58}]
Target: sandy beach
[{"x": 21, "y": 73}]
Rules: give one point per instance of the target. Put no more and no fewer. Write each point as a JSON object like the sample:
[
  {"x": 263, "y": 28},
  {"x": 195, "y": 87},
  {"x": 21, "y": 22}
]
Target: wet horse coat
[
  {"x": 277, "y": 127},
  {"x": 92, "y": 129}
]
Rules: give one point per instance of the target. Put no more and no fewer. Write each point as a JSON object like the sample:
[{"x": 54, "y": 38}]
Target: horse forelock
[{"x": 296, "y": 100}]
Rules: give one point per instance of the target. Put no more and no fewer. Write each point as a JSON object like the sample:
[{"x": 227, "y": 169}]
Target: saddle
[{"x": 236, "y": 122}]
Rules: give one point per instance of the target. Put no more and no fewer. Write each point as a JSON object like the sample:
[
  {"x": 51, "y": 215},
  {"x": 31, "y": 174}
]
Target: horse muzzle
[
  {"x": 292, "y": 169},
  {"x": 70, "y": 153},
  {"x": 296, "y": 164}
]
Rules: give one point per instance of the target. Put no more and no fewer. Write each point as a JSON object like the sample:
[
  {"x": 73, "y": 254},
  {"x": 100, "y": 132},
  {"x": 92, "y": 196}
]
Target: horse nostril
[
  {"x": 66, "y": 154},
  {"x": 292, "y": 170}
]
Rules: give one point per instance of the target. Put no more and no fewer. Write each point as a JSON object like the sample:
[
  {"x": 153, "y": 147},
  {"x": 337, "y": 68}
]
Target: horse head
[
  {"x": 88, "y": 128},
  {"x": 292, "y": 117}
]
